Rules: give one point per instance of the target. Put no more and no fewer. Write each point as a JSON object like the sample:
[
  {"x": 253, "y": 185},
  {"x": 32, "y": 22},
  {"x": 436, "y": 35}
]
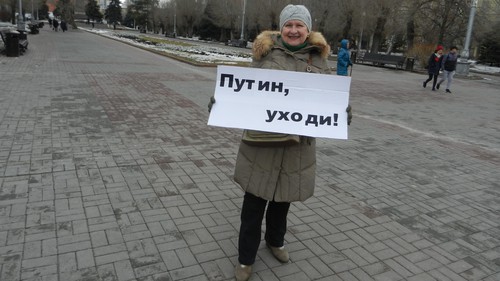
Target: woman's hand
[
  {"x": 349, "y": 114},
  {"x": 211, "y": 103}
]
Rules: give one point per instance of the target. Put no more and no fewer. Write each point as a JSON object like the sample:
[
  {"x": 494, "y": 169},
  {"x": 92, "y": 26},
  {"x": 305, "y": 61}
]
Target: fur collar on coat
[{"x": 267, "y": 39}]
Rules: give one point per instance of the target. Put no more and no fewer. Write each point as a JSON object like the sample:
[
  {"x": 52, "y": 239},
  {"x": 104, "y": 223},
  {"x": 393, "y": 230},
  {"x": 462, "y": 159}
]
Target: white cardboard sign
[{"x": 307, "y": 104}]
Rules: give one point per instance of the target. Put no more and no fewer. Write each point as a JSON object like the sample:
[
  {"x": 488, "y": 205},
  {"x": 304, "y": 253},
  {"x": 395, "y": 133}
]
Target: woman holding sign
[{"x": 276, "y": 169}]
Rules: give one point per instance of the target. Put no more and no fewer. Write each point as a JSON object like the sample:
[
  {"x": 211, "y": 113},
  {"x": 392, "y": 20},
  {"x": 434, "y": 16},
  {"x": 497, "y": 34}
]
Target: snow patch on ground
[
  {"x": 198, "y": 53},
  {"x": 481, "y": 68}
]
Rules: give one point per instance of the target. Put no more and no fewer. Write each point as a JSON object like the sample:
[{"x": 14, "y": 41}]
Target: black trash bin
[
  {"x": 36, "y": 29},
  {"x": 23, "y": 35},
  {"x": 409, "y": 63},
  {"x": 33, "y": 28},
  {"x": 12, "y": 44}
]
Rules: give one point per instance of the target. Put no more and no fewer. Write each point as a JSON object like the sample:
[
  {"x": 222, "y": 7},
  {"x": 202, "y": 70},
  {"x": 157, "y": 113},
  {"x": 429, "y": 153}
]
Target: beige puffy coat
[{"x": 286, "y": 173}]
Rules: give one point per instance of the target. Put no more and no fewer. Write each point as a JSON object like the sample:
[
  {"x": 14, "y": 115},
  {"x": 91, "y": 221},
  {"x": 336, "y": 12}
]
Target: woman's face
[{"x": 294, "y": 32}]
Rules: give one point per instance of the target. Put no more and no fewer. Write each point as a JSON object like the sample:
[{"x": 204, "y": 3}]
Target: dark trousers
[
  {"x": 252, "y": 214},
  {"x": 432, "y": 76}
]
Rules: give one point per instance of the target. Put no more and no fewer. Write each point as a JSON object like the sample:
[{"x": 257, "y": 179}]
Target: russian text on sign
[{"x": 281, "y": 101}]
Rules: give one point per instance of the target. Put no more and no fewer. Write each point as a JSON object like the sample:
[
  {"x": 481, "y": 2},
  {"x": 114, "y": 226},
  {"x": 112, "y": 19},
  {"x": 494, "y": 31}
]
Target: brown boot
[
  {"x": 242, "y": 272},
  {"x": 280, "y": 253}
]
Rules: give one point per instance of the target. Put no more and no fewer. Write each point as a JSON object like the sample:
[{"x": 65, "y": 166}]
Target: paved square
[{"x": 108, "y": 171}]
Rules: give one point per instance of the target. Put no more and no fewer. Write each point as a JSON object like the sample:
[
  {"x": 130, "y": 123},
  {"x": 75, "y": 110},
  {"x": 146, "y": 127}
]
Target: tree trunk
[
  {"x": 348, "y": 24},
  {"x": 379, "y": 31},
  {"x": 410, "y": 33},
  {"x": 322, "y": 22}
]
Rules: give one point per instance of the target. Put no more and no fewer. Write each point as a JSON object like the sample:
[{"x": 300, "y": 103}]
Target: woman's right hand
[{"x": 211, "y": 103}]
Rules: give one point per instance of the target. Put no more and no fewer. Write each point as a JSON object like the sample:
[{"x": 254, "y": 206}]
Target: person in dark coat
[
  {"x": 64, "y": 26},
  {"x": 343, "y": 58},
  {"x": 55, "y": 24},
  {"x": 434, "y": 65},
  {"x": 448, "y": 65}
]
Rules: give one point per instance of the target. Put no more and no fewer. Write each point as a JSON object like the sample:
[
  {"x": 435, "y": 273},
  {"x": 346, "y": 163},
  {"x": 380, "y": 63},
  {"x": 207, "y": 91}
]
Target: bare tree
[
  {"x": 188, "y": 14},
  {"x": 166, "y": 17},
  {"x": 380, "y": 24},
  {"x": 444, "y": 20},
  {"x": 225, "y": 14},
  {"x": 485, "y": 23},
  {"x": 381, "y": 10},
  {"x": 410, "y": 8},
  {"x": 66, "y": 9}
]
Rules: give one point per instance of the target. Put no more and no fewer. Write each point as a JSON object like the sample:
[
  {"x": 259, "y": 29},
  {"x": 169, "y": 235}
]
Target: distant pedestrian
[
  {"x": 343, "y": 58},
  {"x": 433, "y": 67},
  {"x": 448, "y": 65},
  {"x": 64, "y": 26},
  {"x": 55, "y": 24}
]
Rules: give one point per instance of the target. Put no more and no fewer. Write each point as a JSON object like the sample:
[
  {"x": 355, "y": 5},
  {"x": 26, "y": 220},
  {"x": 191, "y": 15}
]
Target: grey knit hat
[{"x": 295, "y": 12}]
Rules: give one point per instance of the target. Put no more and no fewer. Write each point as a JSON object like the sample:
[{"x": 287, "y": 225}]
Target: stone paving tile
[{"x": 109, "y": 172}]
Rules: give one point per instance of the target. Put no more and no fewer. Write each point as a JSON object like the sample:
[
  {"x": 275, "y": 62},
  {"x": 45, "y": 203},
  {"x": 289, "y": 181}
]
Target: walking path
[{"x": 109, "y": 172}]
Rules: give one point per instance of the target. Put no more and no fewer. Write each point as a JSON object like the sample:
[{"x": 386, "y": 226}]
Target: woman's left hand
[{"x": 349, "y": 114}]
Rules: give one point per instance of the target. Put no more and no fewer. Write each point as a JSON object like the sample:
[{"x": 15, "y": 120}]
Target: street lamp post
[
  {"x": 361, "y": 32},
  {"x": 465, "y": 51},
  {"x": 20, "y": 22},
  {"x": 32, "y": 11},
  {"x": 463, "y": 65},
  {"x": 243, "y": 20},
  {"x": 147, "y": 10},
  {"x": 175, "y": 19}
]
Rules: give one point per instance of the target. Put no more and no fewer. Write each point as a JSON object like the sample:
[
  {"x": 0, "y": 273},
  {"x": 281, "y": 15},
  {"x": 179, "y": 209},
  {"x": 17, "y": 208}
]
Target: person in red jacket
[{"x": 434, "y": 65}]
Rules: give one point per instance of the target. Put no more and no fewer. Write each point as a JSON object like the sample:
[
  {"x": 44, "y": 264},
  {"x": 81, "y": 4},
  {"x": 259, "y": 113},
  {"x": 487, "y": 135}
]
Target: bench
[
  {"x": 382, "y": 59},
  {"x": 33, "y": 28},
  {"x": 170, "y": 35},
  {"x": 23, "y": 39},
  {"x": 236, "y": 43}
]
